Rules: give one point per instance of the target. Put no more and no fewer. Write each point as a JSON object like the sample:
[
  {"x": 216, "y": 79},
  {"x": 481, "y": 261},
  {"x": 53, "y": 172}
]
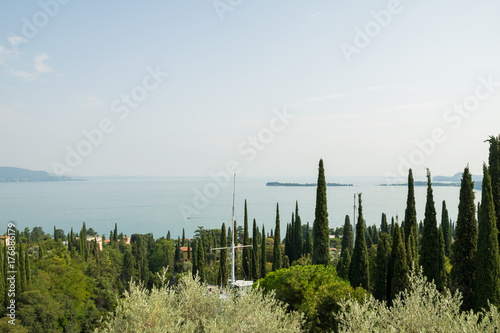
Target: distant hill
[
  {"x": 10, "y": 174},
  {"x": 453, "y": 181}
]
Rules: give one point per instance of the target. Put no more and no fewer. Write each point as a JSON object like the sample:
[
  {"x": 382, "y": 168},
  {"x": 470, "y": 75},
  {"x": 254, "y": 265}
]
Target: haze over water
[{"x": 153, "y": 204}]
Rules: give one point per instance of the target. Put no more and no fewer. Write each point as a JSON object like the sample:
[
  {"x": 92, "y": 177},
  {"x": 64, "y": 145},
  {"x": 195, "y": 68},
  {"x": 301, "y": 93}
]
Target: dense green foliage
[
  {"x": 246, "y": 259},
  {"x": 399, "y": 279},
  {"x": 321, "y": 240},
  {"x": 315, "y": 290},
  {"x": 463, "y": 257},
  {"x": 223, "y": 272},
  {"x": 487, "y": 284},
  {"x": 382, "y": 266}
]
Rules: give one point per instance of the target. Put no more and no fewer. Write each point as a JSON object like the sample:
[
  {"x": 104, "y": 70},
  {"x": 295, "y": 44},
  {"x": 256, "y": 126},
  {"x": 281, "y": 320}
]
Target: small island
[{"x": 303, "y": 184}]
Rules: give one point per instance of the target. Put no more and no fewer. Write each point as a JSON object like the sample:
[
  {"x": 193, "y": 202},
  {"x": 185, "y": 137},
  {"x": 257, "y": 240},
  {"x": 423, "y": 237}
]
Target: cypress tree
[
  {"x": 201, "y": 262},
  {"x": 308, "y": 244},
  {"x": 359, "y": 274},
  {"x": 255, "y": 251},
  {"x": 188, "y": 251},
  {"x": 246, "y": 250},
  {"x": 195, "y": 257},
  {"x": 178, "y": 254},
  {"x": 445, "y": 224},
  {"x": 399, "y": 281},
  {"x": 494, "y": 170},
  {"x": 383, "y": 224},
  {"x": 22, "y": 268},
  {"x": 463, "y": 254},
  {"x": 288, "y": 239},
  {"x": 382, "y": 265},
  {"x": 223, "y": 272},
  {"x": 410, "y": 220},
  {"x": 298, "y": 240},
  {"x": 321, "y": 240},
  {"x": 429, "y": 253},
  {"x": 2, "y": 276},
  {"x": 168, "y": 235},
  {"x": 347, "y": 248},
  {"x": 183, "y": 237},
  {"x": 277, "y": 260},
  {"x": 235, "y": 240},
  {"x": 263, "y": 260},
  {"x": 487, "y": 284},
  {"x": 442, "y": 280},
  {"x": 115, "y": 234}
]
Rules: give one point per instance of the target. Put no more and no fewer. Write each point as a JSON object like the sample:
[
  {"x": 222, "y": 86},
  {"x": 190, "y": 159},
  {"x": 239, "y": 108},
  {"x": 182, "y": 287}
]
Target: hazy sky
[{"x": 372, "y": 87}]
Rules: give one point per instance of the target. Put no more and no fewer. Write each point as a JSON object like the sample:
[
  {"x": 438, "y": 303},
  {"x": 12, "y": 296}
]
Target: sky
[{"x": 260, "y": 88}]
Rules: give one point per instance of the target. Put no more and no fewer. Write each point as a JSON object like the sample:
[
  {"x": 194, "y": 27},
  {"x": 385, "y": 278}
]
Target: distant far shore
[{"x": 303, "y": 184}]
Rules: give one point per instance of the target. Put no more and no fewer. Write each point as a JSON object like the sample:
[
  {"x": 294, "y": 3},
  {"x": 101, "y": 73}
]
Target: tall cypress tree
[
  {"x": 201, "y": 262},
  {"x": 183, "y": 237},
  {"x": 321, "y": 237},
  {"x": 442, "y": 279},
  {"x": 223, "y": 272},
  {"x": 195, "y": 256},
  {"x": 382, "y": 265},
  {"x": 277, "y": 261},
  {"x": 347, "y": 247},
  {"x": 399, "y": 281},
  {"x": 246, "y": 250},
  {"x": 410, "y": 220},
  {"x": 308, "y": 244},
  {"x": 429, "y": 253},
  {"x": 168, "y": 235},
  {"x": 445, "y": 225},
  {"x": 255, "y": 251},
  {"x": 115, "y": 234},
  {"x": 494, "y": 170},
  {"x": 22, "y": 267},
  {"x": 463, "y": 254},
  {"x": 359, "y": 274},
  {"x": 487, "y": 284},
  {"x": 383, "y": 224},
  {"x": 298, "y": 241},
  {"x": 263, "y": 260}
]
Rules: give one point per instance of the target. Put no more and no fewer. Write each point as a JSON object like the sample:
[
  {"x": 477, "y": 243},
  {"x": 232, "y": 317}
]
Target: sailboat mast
[{"x": 232, "y": 228}]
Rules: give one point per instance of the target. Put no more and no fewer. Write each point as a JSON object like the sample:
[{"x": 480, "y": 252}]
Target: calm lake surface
[{"x": 157, "y": 205}]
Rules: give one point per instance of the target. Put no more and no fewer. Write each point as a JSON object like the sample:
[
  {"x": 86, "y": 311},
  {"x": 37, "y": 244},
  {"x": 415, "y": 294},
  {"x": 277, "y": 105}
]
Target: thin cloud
[
  {"x": 327, "y": 97},
  {"x": 40, "y": 66}
]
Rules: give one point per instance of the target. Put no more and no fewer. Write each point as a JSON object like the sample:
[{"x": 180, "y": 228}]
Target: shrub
[
  {"x": 421, "y": 308},
  {"x": 189, "y": 307},
  {"x": 315, "y": 290}
]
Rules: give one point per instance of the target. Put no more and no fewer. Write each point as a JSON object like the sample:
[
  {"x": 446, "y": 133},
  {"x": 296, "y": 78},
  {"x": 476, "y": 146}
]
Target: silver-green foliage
[
  {"x": 421, "y": 308},
  {"x": 189, "y": 307}
]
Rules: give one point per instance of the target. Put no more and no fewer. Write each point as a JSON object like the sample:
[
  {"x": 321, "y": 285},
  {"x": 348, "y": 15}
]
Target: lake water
[{"x": 160, "y": 204}]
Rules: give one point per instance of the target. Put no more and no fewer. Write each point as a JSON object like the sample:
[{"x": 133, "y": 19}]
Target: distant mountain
[
  {"x": 10, "y": 174},
  {"x": 456, "y": 178}
]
